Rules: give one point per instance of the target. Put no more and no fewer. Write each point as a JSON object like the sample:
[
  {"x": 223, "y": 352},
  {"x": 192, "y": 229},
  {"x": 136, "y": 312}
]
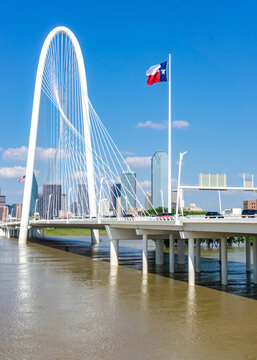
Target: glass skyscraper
[
  {"x": 159, "y": 177},
  {"x": 83, "y": 202},
  {"x": 128, "y": 191},
  {"x": 52, "y": 200},
  {"x": 34, "y": 196},
  {"x": 115, "y": 194}
]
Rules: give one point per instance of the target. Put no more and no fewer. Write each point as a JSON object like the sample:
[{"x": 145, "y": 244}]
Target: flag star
[{"x": 163, "y": 72}]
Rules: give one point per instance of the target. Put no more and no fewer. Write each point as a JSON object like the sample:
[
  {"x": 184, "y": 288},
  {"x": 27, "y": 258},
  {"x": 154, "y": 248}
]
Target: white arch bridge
[{"x": 76, "y": 164}]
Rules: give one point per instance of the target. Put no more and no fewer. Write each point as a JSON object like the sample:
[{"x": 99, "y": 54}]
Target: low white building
[{"x": 233, "y": 211}]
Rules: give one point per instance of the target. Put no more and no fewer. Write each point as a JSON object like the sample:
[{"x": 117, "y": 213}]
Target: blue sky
[{"x": 214, "y": 81}]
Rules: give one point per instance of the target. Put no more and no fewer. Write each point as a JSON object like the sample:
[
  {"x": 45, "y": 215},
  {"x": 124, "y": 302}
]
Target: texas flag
[{"x": 157, "y": 73}]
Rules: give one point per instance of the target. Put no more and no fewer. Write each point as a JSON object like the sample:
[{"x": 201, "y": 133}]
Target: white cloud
[
  {"x": 15, "y": 154},
  {"x": 12, "y": 172},
  {"x": 152, "y": 125},
  {"x": 139, "y": 161},
  {"x": 180, "y": 124},
  {"x": 146, "y": 184},
  {"x": 20, "y": 154},
  {"x": 44, "y": 154},
  {"x": 128, "y": 153}
]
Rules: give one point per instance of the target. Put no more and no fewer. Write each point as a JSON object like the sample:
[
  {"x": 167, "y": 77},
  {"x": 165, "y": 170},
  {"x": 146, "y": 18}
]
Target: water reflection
[
  {"x": 113, "y": 279},
  {"x": 144, "y": 291},
  {"x": 24, "y": 279},
  {"x": 191, "y": 307}
]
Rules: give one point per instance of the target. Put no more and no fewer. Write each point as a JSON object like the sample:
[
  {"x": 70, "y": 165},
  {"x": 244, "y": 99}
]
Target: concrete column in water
[
  {"x": 94, "y": 236},
  {"x": 181, "y": 251},
  {"x": 198, "y": 256},
  {"x": 224, "y": 261},
  {"x": 144, "y": 255},
  {"x": 255, "y": 259},
  {"x": 247, "y": 253},
  {"x": 191, "y": 262},
  {"x": 159, "y": 252},
  {"x": 114, "y": 252},
  {"x": 172, "y": 263}
]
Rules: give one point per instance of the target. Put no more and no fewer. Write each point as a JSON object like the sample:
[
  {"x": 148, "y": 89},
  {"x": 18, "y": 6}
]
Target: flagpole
[{"x": 169, "y": 142}]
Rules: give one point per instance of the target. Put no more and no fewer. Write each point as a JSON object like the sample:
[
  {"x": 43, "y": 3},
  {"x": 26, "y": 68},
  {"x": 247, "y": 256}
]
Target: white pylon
[{"x": 34, "y": 127}]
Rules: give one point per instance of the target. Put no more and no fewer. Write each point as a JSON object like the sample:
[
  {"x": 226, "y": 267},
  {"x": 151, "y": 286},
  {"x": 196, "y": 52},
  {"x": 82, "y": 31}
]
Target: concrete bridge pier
[
  {"x": 145, "y": 255},
  {"x": 181, "y": 251},
  {"x": 115, "y": 234},
  {"x": 171, "y": 257},
  {"x": 191, "y": 262},
  {"x": 247, "y": 254},
  {"x": 224, "y": 261},
  {"x": 255, "y": 259},
  {"x": 159, "y": 252},
  {"x": 94, "y": 237},
  {"x": 198, "y": 255}
]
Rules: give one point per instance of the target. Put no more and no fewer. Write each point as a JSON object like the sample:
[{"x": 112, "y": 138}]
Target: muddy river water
[{"x": 61, "y": 300}]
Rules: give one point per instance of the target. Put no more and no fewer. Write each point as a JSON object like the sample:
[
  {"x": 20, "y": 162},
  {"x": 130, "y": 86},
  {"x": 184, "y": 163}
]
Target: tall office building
[
  {"x": 18, "y": 211},
  {"x": 148, "y": 200},
  {"x": 52, "y": 200},
  {"x": 83, "y": 202},
  {"x": 12, "y": 210},
  {"x": 115, "y": 194},
  {"x": 128, "y": 190},
  {"x": 74, "y": 208},
  {"x": 4, "y": 213},
  {"x": 39, "y": 208},
  {"x": 34, "y": 196},
  {"x": 2, "y": 200},
  {"x": 174, "y": 199},
  {"x": 159, "y": 177},
  {"x": 104, "y": 208}
]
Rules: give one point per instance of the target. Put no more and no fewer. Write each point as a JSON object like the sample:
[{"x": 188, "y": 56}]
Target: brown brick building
[
  {"x": 250, "y": 204},
  {"x": 18, "y": 211},
  {"x": 4, "y": 211}
]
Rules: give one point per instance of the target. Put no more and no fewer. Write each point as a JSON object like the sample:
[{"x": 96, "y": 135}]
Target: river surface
[{"x": 58, "y": 300}]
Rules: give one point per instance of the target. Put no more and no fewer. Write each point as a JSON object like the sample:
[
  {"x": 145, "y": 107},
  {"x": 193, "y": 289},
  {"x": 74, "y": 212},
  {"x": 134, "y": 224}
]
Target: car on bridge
[
  {"x": 249, "y": 213},
  {"x": 165, "y": 215},
  {"x": 213, "y": 215}
]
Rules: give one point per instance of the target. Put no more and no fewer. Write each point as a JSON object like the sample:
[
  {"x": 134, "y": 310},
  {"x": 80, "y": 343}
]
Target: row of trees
[{"x": 159, "y": 210}]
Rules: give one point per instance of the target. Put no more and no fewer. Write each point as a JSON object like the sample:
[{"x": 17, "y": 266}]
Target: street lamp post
[{"x": 181, "y": 155}]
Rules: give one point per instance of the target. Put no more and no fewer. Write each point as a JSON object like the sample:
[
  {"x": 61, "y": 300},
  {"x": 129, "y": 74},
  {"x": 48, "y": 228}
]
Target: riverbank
[{"x": 71, "y": 232}]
